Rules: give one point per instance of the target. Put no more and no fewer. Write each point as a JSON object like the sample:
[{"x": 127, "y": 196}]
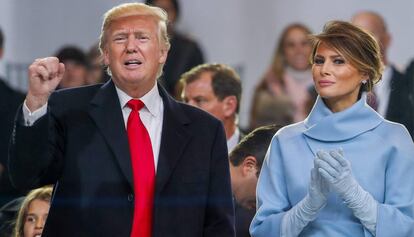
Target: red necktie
[{"x": 142, "y": 160}]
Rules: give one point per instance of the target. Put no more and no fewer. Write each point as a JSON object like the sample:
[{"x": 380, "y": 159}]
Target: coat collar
[{"x": 324, "y": 125}]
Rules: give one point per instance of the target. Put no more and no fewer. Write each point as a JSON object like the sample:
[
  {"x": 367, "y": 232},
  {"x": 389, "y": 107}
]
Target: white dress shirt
[
  {"x": 233, "y": 140},
  {"x": 151, "y": 115}
]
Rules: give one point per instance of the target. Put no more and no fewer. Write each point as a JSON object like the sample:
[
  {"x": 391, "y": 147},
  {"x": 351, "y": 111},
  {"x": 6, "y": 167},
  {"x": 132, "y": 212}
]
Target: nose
[
  {"x": 131, "y": 46},
  {"x": 325, "y": 69},
  {"x": 40, "y": 222}
]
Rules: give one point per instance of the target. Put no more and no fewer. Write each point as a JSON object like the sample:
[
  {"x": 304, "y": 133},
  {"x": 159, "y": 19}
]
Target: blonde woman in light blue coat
[{"x": 344, "y": 170}]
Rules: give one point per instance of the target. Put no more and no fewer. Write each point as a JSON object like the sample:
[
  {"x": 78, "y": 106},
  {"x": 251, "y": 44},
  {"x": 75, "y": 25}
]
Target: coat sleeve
[
  {"x": 396, "y": 215},
  {"x": 219, "y": 220},
  {"x": 35, "y": 152},
  {"x": 272, "y": 201}
]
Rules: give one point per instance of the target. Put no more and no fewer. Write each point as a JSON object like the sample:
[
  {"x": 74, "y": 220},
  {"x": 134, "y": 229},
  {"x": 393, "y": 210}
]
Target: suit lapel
[
  {"x": 174, "y": 139},
  {"x": 106, "y": 112}
]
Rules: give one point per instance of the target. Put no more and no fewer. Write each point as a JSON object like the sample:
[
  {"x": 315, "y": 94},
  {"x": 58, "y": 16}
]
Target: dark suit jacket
[
  {"x": 400, "y": 107},
  {"x": 10, "y": 100},
  {"x": 82, "y": 145},
  {"x": 243, "y": 218}
]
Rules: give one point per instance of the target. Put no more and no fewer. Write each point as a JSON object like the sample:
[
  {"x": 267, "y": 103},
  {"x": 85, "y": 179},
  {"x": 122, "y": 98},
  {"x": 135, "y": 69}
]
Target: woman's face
[
  {"x": 297, "y": 49},
  {"x": 35, "y": 218},
  {"x": 336, "y": 80}
]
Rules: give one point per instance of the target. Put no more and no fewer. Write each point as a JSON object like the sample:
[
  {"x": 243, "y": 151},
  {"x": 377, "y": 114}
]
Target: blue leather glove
[{"x": 336, "y": 170}]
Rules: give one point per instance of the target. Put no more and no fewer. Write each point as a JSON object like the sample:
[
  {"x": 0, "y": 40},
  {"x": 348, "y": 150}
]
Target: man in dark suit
[
  {"x": 77, "y": 139},
  {"x": 10, "y": 100},
  {"x": 215, "y": 88},
  {"x": 394, "y": 93}
]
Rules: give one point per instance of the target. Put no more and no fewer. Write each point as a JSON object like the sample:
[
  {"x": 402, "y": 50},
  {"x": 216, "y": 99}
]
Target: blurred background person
[
  {"x": 10, "y": 99},
  {"x": 96, "y": 69},
  {"x": 344, "y": 170},
  {"x": 33, "y": 213},
  {"x": 287, "y": 80},
  {"x": 8, "y": 214},
  {"x": 245, "y": 163},
  {"x": 216, "y": 89},
  {"x": 394, "y": 93},
  {"x": 76, "y": 66},
  {"x": 185, "y": 53}
]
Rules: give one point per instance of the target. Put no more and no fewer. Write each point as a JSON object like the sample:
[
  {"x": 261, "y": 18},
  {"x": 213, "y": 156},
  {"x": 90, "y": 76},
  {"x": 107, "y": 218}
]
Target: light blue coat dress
[{"x": 382, "y": 159}]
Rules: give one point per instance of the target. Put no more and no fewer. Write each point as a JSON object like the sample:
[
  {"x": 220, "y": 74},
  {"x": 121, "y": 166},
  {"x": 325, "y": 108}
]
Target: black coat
[
  {"x": 400, "y": 107},
  {"x": 85, "y": 152},
  {"x": 10, "y": 100}
]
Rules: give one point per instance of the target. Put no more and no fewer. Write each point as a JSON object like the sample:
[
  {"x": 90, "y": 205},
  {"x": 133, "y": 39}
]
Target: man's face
[
  {"x": 200, "y": 94},
  {"x": 375, "y": 26},
  {"x": 243, "y": 183},
  {"x": 133, "y": 52}
]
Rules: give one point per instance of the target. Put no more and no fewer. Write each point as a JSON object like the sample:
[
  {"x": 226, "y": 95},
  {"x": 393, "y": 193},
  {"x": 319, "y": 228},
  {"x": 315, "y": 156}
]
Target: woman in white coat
[{"x": 344, "y": 170}]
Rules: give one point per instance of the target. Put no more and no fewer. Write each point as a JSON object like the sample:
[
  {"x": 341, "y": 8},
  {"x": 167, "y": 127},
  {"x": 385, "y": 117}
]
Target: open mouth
[{"x": 132, "y": 63}]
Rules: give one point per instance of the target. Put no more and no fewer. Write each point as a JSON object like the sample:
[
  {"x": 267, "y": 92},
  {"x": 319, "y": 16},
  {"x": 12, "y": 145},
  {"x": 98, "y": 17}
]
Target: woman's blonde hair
[
  {"x": 43, "y": 193},
  {"x": 357, "y": 46}
]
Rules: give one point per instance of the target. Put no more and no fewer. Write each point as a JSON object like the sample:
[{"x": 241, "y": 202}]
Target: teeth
[{"x": 132, "y": 62}]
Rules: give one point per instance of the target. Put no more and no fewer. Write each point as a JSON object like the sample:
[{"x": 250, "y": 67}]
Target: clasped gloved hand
[
  {"x": 318, "y": 190},
  {"x": 337, "y": 172}
]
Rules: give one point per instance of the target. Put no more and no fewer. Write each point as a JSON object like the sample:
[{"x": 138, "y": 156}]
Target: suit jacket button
[{"x": 130, "y": 197}]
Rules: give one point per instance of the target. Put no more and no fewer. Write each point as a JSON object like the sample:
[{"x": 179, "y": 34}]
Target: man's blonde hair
[{"x": 136, "y": 9}]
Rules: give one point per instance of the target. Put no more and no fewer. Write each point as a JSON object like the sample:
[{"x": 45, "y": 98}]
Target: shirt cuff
[{"x": 31, "y": 117}]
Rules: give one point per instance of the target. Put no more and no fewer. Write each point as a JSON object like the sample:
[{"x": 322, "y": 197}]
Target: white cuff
[{"x": 31, "y": 117}]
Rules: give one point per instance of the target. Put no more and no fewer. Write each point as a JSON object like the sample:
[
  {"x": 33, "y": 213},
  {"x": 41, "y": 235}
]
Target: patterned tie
[{"x": 142, "y": 160}]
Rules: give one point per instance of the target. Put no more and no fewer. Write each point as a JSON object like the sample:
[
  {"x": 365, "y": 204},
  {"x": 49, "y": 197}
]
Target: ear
[
  {"x": 364, "y": 76},
  {"x": 229, "y": 105},
  {"x": 163, "y": 55},
  {"x": 105, "y": 56},
  {"x": 387, "y": 40},
  {"x": 249, "y": 166}
]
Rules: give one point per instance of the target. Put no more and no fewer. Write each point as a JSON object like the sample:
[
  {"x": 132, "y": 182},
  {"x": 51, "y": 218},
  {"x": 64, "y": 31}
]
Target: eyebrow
[{"x": 330, "y": 56}]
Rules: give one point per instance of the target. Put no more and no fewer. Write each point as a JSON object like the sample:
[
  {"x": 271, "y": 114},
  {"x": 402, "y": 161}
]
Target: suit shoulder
[{"x": 75, "y": 95}]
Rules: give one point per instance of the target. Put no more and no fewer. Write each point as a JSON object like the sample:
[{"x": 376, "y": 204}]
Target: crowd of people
[{"x": 140, "y": 137}]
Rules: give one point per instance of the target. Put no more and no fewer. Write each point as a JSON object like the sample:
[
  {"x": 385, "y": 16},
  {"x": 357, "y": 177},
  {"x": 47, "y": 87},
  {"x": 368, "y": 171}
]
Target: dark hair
[
  {"x": 357, "y": 46},
  {"x": 72, "y": 53},
  {"x": 1, "y": 39},
  {"x": 254, "y": 144},
  {"x": 225, "y": 81},
  {"x": 174, "y": 2}
]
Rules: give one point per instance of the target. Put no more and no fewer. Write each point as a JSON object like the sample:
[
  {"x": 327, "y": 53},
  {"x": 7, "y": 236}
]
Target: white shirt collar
[
  {"x": 233, "y": 140},
  {"x": 151, "y": 99}
]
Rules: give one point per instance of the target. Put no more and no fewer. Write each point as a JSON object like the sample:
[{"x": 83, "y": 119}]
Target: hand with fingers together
[
  {"x": 337, "y": 172},
  {"x": 45, "y": 75}
]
